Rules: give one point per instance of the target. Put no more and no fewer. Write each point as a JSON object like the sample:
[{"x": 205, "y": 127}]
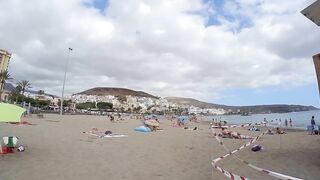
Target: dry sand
[{"x": 57, "y": 149}]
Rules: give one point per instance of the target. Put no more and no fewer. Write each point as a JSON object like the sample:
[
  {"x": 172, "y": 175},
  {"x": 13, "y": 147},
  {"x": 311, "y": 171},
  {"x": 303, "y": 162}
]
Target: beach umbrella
[
  {"x": 152, "y": 122},
  {"x": 10, "y": 113}
]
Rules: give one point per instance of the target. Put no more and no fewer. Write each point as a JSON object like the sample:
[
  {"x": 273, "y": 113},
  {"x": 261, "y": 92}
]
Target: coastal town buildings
[
  {"x": 40, "y": 95},
  {"x": 211, "y": 111},
  {"x": 4, "y": 63},
  {"x": 144, "y": 104}
]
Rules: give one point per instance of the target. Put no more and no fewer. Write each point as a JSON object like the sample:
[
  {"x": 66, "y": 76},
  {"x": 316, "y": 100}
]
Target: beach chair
[{"x": 10, "y": 141}]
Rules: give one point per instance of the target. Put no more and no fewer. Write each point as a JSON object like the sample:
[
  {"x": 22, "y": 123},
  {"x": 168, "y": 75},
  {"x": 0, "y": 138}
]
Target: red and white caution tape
[
  {"x": 229, "y": 174},
  {"x": 234, "y": 176}
]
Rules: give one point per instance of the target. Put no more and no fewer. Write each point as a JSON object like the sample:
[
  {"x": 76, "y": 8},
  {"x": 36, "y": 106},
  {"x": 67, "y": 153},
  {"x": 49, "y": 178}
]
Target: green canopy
[{"x": 10, "y": 112}]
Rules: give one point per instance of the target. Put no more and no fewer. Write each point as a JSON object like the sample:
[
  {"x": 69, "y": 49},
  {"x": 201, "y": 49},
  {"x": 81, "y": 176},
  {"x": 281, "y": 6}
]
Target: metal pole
[{"x": 64, "y": 81}]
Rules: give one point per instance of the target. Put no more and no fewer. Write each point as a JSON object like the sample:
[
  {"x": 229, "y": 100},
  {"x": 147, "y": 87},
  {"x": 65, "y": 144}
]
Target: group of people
[
  {"x": 112, "y": 117},
  {"x": 219, "y": 124},
  {"x": 286, "y": 122},
  {"x": 152, "y": 123}
]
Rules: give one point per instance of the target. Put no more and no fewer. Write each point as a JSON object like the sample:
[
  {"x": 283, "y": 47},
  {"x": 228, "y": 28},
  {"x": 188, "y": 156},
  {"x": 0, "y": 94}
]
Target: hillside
[
  {"x": 104, "y": 91},
  {"x": 193, "y": 102},
  {"x": 276, "y": 108}
]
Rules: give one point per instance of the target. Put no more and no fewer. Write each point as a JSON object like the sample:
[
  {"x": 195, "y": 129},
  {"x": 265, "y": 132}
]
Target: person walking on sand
[{"x": 313, "y": 123}]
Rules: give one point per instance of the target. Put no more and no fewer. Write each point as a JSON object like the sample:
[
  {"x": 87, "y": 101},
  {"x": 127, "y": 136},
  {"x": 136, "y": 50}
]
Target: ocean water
[{"x": 300, "y": 120}]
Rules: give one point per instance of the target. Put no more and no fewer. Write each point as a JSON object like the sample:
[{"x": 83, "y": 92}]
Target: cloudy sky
[{"x": 235, "y": 52}]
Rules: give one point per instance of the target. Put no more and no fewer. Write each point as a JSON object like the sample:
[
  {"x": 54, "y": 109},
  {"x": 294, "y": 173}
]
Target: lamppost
[{"x": 64, "y": 81}]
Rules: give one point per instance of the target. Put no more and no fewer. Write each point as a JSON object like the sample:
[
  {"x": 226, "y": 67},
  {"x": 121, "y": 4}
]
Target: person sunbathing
[
  {"x": 270, "y": 132},
  {"x": 279, "y": 131},
  {"x": 233, "y": 134},
  {"x": 96, "y": 132}
]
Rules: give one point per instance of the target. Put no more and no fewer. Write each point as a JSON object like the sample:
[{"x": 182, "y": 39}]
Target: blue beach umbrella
[{"x": 183, "y": 118}]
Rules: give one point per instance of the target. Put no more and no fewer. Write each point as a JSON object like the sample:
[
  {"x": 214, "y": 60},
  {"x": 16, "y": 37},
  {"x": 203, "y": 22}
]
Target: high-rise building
[
  {"x": 4, "y": 60},
  {"x": 4, "y": 63},
  {"x": 316, "y": 60},
  {"x": 312, "y": 12}
]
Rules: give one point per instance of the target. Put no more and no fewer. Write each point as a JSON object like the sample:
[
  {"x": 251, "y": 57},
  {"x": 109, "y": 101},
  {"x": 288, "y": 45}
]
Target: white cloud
[{"x": 161, "y": 47}]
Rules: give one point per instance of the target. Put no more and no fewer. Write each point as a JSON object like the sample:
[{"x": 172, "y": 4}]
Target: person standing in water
[
  {"x": 290, "y": 122},
  {"x": 313, "y": 123},
  {"x": 286, "y": 122}
]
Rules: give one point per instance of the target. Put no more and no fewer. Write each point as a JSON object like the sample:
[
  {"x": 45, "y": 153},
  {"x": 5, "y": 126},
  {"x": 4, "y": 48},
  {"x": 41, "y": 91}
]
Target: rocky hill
[
  {"x": 276, "y": 108},
  {"x": 104, "y": 91}
]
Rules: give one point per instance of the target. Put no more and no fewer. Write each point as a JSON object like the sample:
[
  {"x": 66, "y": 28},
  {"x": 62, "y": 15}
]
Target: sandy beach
[{"x": 56, "y": 148}]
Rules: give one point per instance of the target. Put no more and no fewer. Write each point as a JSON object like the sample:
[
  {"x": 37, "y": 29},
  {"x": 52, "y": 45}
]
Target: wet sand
[{"x": 56, "y": 148}]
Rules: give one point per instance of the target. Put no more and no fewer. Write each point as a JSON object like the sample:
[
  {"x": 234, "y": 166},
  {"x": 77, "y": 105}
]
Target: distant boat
[{"x": 245, "y": 114}]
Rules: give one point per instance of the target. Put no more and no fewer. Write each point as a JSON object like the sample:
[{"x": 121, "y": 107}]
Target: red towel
[{"x": 6, "y": 150}]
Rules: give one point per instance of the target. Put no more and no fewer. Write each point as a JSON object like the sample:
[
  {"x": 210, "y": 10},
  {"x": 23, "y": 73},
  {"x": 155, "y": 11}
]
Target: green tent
[{"x": 10, "y": 112}]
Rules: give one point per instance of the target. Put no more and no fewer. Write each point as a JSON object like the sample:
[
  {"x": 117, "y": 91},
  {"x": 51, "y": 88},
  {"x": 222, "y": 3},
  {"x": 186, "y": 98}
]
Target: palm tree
[
  {"x": 24, "y": 84},
  {"x": 4, "y": 75},
  {"x": 41, "y": 92}
]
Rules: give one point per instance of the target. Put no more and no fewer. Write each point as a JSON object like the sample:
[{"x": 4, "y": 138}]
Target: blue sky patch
[
  {"x": 101, "y": 5},
  {"x": 221, "y": 13}
]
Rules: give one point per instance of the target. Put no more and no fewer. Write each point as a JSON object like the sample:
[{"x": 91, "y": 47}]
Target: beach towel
[
  {"x": 107, "y": 135},
  {"x": 214, "y": 126},
  {"x": 254, "y": 129},
  {"x": 142, "y": 129},
  {"x": 234, "y": 137},
  {"x": 6, "y": 150},
  {"x": 25, "y": 123}
]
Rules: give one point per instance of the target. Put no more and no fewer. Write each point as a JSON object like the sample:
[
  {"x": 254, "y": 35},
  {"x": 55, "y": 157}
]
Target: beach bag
[
  {"x": 21, "y": 148},
  {"x": 256, "y": 148}
]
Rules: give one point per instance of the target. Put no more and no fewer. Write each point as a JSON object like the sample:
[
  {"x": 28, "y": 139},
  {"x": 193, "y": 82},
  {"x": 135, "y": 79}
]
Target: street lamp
[{"x": 64, "y": 81}]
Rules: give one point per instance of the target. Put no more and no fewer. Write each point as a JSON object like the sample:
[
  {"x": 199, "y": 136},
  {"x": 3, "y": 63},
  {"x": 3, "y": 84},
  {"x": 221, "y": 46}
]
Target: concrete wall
[{"x": 316, "y": 60}]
